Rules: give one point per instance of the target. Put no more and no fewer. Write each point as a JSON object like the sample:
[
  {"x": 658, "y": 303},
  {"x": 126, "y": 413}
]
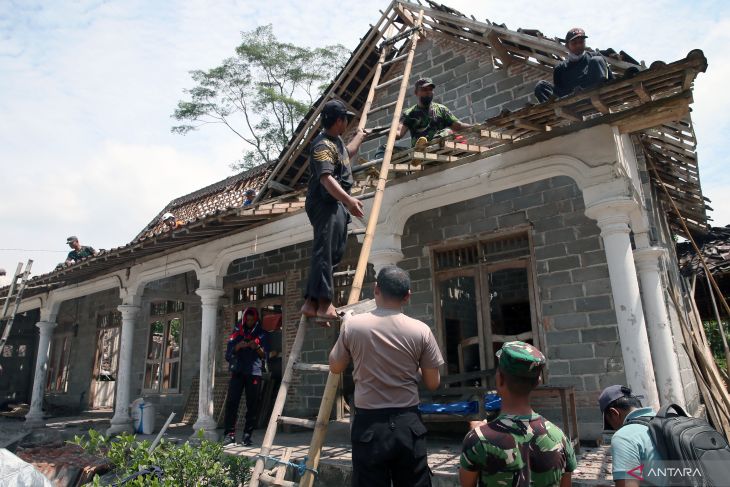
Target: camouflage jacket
[
  {"x": 84, "y": 252},
  {"x": 518, "y": 451},
  {"x": 427, "y": 122}
]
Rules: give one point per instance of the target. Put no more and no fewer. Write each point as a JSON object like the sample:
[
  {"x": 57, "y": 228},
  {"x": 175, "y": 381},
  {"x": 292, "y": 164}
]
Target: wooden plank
[
  {"x": 641, "y": 92},
  {"x": 499, "y": 49},
  {"x": 304, "y": 423},
  {"x": 598, "y": 104},
  {"x": 526, "y": 124},
  {"x": 634, "y": 124},
  {"x": 568, "y": 114},
  {"x": 473, "y": 148}
]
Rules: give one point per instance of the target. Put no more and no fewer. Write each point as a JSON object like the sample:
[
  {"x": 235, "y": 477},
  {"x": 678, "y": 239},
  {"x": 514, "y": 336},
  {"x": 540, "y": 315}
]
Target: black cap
[
  {"x": 575, "y": 33},
  {"x": 610, "y": 394},
  {"x": 425, "y": 82},
  {"x": 70, "y": 239},
  {"x": 250, "y": 191},
  {"x": 335, "y": 109}
]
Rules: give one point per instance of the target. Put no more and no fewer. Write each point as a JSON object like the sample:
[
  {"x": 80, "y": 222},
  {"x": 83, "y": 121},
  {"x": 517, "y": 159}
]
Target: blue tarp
[{"x": 492, "y": 402}]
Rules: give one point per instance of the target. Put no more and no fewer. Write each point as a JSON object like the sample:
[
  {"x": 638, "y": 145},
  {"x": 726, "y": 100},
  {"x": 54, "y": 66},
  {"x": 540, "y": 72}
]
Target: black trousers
[
  {"x": 252, "y": 385},
  {"x": 328, "y": 247},
  {"x": 389, "y": 446}
]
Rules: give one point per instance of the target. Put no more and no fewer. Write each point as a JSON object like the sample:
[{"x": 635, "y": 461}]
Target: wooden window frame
[
  {"x": 59, "y": 362},
  {"x": 166, "y": 319},
  {"x": 480, "y": 272}
]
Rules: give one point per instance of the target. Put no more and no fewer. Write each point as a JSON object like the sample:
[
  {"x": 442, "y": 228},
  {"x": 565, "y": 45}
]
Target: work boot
[
  {"x": 229, "y": 439},
  {"x": 246, "y": 440},
  {"x": 420, "y": 146}
]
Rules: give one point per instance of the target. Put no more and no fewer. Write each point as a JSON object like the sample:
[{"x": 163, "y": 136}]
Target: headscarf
[{"x": 241, "y": 330}]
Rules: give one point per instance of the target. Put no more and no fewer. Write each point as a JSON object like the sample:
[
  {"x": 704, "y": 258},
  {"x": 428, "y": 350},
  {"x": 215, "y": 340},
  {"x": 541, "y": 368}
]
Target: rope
[{"x": 300, "y": 467}]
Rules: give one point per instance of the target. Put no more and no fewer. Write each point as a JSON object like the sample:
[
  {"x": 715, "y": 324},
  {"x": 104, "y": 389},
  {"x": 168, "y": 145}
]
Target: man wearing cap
[
  {"x": 391, "y": 353},
  {"x": 328, "y": 204},
  {"x": 250, "y": 195},
  {"x": 427, "y": 119},
  {"x": 171, "y": 222},
  {"x": 581, "y": 70},
  {"x": 631, "y": 445},
  {"x": 78, "y": 252},
  {"x": 519, "y": 447}
]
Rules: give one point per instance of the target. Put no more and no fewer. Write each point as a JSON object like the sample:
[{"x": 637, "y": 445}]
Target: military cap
[
  {"x": 520, "y": 359},
  {"x": 72, "y": 238},
  {"x": 424, "y": 82}
]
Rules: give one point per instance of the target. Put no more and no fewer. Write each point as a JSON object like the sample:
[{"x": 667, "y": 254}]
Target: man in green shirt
[
  {"x": 425, "y": 120},
  {"x": 519, "y": 448},
  {"x": 78, "y": 251}
]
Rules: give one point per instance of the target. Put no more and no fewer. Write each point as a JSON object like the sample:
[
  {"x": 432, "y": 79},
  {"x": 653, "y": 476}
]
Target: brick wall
[
  {"x": 576, "y": 309},
  {"x": 466, "y": 81}
]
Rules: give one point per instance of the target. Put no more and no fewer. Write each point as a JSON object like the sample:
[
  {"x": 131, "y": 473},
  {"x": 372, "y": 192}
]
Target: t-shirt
[
  {"x": 518, "y": 451},
  {"x": 84, "y": 252},
  {"x": 427, "y": 122},
  {"x": 387, "y": 349},
  {"x": 328, "y": 156},
  {"x": 631, "y": 445}
]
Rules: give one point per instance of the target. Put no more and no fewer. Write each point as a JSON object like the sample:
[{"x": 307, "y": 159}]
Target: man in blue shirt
[{"x": 631, "y": 445}]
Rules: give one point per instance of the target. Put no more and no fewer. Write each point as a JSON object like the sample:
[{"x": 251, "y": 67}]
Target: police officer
[
  {"x": 328, "y": 204},
  {"x": 580, "y": 70},
  {"x": 519, "y": 447}
]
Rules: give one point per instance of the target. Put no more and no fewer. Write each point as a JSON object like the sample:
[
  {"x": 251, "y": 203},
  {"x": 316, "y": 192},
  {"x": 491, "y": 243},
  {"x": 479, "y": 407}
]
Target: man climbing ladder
[{"x": 308, "y": 470}]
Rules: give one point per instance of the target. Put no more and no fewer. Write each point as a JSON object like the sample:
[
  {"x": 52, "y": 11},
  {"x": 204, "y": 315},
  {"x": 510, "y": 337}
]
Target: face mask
[{"x": 426, "y": 100}]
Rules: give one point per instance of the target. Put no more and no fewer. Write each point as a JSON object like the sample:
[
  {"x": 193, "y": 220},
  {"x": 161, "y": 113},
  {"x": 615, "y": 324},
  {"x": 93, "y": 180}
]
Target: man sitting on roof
[
  {"x": 581, "y": 70},
  {"x": 327, "y": 205},
  {"x": 171, "y": 223},
  {"x": 425, "y": 120},
  {"x": 79, "y": 252},
  {"x": 250, "y": 195}
]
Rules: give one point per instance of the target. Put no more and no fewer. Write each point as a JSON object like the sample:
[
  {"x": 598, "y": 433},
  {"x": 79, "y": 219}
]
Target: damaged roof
[
  {"x": 715, "y": 249},
  {"x": 657, "y": 92}
]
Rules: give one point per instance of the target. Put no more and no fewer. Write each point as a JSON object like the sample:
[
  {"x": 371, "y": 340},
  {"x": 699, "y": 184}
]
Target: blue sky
[{"x": 87, "y": 89}]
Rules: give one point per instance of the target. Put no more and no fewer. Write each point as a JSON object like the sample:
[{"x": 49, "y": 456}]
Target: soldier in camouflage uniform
[
  {"x": 79, "y": 252},
  {"x": 425, "y": 120},
  {"x": 519, "y": 448}
]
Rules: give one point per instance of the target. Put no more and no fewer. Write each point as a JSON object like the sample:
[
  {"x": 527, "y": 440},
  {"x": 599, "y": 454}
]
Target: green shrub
[{"x": 187, "y": 465}]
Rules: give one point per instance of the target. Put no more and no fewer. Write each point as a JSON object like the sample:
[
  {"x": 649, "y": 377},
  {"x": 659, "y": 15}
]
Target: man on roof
[
  {"x": 329, "y": 205},
  {"x": 581, "y": 70},
  {"x": 78, "y": 252},
  {"x": 426, "y": 119},
  {"x": 171, "y": 223},
  {"x": 250, "y": 194}
]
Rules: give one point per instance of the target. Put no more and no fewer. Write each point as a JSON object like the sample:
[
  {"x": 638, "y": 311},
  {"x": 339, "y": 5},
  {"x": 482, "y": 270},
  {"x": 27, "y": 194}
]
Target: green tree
[{"x": 261, "y": 93}]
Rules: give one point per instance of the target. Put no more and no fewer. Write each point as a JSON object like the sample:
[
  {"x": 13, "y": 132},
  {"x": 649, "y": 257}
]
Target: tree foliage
[{"x": 261, "y": 93}]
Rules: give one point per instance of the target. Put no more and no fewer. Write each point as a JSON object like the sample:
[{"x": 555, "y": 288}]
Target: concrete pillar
[
  {"x": 121, "y": 422},
  {"x": 209, "y": 297},
  {"x": 666, "y": 368},
  {"x": 386, "y": 250},
  {"x": 34, "y": 418},
  {"x": 613, "y": 217}
]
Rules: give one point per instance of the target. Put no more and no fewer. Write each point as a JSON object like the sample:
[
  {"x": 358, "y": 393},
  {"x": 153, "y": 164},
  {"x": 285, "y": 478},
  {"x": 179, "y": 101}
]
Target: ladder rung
[
  {"x": 311, "y": 367},
  {"x": 269, "y": 480},
  {"x": 395, "y": 59},
  {"x": 357, "y": 231},
  {"x": 304, "y": 423},
  {"x": 382, "y": 107},
  {"x": 344, "y": 273},
  {"x": 389, "y": 82}
]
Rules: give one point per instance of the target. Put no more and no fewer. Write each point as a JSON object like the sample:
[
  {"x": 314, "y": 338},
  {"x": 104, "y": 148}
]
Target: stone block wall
[{"x": 467, "y": 82}]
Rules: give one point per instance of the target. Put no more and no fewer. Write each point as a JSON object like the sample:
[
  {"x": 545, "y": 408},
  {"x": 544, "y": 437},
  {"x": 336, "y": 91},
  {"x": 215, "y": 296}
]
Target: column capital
[
  {"x": 648, "y": 258},
  {"x": 209, "y": 295},
  {"x": 612, "y": 215},
  {"x": 46, "y": 326},
  {"x": 129, "y": 311},
  {"x": 384, "y": 257}
]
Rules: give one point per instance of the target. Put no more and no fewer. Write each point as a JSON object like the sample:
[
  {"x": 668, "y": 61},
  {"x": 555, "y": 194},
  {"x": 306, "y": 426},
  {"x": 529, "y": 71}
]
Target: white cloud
[{"x": 88, "y": 88}]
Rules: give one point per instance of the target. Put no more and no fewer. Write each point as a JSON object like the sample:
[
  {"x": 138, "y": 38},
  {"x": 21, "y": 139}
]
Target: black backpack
[{"x": 691, "y": 444}]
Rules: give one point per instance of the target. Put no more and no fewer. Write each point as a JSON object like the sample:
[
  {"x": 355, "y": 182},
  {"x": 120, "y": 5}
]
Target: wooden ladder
[
  {"x": 308, "y": 469},
  {"x": 23, "y": 275}
]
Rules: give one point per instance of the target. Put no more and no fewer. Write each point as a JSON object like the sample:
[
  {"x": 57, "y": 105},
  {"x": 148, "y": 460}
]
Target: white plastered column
[
  {"x": 121, "y": 421},
  {"x": 34, "y": 418},
  {"x": 613, "y": 216},
  {"x": 210, "y": 293},
  {"x": 669, "y": 382},
  {"x": 386, "y": 251}
]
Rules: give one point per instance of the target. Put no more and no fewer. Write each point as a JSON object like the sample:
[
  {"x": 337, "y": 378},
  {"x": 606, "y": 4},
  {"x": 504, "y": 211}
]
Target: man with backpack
[{"x": 663, "y": 448}]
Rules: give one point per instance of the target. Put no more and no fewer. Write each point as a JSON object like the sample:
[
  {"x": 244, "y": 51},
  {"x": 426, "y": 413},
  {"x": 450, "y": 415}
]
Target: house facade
[{"x": 560, "y": 238}]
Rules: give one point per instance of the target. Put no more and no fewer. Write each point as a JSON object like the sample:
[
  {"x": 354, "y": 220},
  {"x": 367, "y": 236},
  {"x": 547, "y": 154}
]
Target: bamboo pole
[
  {"x": 268, "y": 441},
  {"x": 721, "y": 327},
  {"x": 330, "y": 391}
]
